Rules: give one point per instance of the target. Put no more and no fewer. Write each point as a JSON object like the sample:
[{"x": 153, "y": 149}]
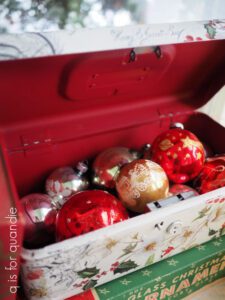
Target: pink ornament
[{"x": 39, "y": 217}]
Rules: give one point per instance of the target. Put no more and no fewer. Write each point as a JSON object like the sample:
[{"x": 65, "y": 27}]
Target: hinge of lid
[
  {"x": 165, "y": 117},
  {"x": 32, "y": 143},
  {"x": 168, "y": 118}
]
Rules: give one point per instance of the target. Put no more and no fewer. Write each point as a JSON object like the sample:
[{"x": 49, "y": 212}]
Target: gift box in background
[{"x": 173, "y": 278}]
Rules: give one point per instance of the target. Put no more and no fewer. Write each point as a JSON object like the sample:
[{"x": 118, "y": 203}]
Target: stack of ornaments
[{"x": 123, "y": 183}]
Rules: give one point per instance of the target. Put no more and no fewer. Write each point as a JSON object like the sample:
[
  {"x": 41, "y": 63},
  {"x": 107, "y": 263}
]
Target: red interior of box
[{"x": 58, "y": 110}]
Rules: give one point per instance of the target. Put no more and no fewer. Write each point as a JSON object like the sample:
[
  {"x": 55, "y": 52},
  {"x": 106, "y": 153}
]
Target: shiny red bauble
[
  {"x": 212, "y": 175},
  {"x": 180, "y": 154},
  {"x": 87, "y": 211},
  {"x": 108, "y": 163},
  {"x": 65, "y": 182},
  {"x": 39, "y": 217}
]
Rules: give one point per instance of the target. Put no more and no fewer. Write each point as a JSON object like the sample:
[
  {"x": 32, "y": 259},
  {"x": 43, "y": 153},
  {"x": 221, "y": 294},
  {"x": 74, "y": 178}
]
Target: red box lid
[{"x": 108, "y": 90}]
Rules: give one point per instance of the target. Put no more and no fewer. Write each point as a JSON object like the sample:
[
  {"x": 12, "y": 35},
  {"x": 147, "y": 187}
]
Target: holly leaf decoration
[
  {"x": 129, "y": 249},
  {"x": 202, "y": 213},
  {"x": 90, "y": 284},
  {"x": 150, "y": 260},
  {"x": 88, "y": 272},
  {"x": 210, "y": 30},
  {"x": 125, "y": 266},
  {"x": 212, "y": 232}
]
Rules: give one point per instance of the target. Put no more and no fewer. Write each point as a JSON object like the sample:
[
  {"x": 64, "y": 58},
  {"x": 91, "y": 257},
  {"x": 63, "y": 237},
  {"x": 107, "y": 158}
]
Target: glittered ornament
[
  {"x": 108, "y": 163},
  {"x": 212, "y": 175},
  {"x": 176, "y": 189},
  {"x": 140, "y": 182},
  {"x": 39, "y": 217},
  {"x": 87, "y": 211},
  {"x": 65, "y": 182},
  {"x": 180, "y": 154}
]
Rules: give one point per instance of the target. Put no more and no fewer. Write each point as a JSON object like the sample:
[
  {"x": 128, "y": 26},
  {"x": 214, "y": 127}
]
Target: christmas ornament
[
  {"x": 108, "y": 163},
  {"x": 176, "y": 125},
  {"x": 176, "y": 189},
  {"x": 140, "y": 182},
  {"x": 180, "y": 154},
  {"x": 65, "y": 181},
  {"x": 39, "y": 217},
  {"x": 87, "y": 211},
  {"x": 212, "y": 175}
]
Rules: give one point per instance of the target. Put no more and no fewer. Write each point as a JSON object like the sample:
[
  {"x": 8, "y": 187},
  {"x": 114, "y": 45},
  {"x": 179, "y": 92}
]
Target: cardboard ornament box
[
  {"x": 172, "y": 278},
  {"x": 61, "y": 109}
]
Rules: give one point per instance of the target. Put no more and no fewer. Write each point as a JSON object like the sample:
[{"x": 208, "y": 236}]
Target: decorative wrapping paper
[
  {"x": 27, "y": 45},
  {"x": 75, "y": 265}
]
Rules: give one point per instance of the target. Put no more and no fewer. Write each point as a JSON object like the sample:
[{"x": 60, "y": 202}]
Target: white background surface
[
  {"x": 216, "y": 107},
  {"x": 30, "y": 16}
]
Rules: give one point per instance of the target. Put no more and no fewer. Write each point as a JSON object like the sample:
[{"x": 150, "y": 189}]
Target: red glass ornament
[
  {"x": 180, "y": 153},
  {"x": 87, "y": 211},
  {"x": 65, "y": 182},
  {"x": 39, "y": 217},
  {"x": 108, "y": 163},
  {"x": 212, "y": 175},
  {"x": 140, "y": 182},
  {"x": 176, "y": 189}
]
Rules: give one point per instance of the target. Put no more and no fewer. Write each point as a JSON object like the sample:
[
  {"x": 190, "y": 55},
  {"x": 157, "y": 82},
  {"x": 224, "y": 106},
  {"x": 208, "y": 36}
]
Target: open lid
[{"x": 108, "y": 90}]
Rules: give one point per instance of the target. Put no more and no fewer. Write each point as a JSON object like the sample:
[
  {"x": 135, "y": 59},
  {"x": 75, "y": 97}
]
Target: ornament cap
[
  {"x": 176, "y": 125},
  {"x": 82, "y": 167}
]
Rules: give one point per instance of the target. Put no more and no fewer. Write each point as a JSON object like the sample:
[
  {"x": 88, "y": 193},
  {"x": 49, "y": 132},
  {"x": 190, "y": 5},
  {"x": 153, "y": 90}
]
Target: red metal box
[{"x": 58, "y": 110}]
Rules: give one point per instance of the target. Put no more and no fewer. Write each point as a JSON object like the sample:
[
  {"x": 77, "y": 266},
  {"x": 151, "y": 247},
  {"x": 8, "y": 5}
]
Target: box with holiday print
[
  {"x": 172, "y": 278},
  {"x": 77, "y": 105}
]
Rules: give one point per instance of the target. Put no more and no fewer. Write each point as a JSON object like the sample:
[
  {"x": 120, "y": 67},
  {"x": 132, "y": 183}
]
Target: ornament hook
[{"x": 132, "y": 56}]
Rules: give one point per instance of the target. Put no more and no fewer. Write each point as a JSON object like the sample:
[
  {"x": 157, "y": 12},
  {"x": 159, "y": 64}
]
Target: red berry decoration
[
  {"x": 212, "y": 175},
  {"x": 108, "y": 163},
  {"x": 87, "y": 211},
  {"x": 179, "y": 152},
  {"x": 39, "y": 217}
]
